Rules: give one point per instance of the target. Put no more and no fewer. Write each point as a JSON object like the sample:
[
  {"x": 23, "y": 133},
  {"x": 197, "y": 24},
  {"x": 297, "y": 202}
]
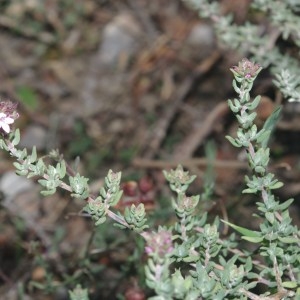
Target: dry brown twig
[
  {"x": 189, "y": 145},
  {"x": 44, "y": 37},
  {"x": 199, "y": 162},
  {"x": 159, "y": 132}
]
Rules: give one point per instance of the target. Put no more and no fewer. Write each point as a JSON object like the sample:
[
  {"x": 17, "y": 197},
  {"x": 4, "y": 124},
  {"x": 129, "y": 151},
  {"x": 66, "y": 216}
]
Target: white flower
[{"x": 5, "y": 121}]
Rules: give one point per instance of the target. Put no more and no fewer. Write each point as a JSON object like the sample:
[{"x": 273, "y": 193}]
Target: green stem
[{"x": 12, "y": 149}]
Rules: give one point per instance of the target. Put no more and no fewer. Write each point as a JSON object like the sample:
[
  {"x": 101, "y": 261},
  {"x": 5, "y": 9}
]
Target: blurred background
[{"x": 131, "y": 85}]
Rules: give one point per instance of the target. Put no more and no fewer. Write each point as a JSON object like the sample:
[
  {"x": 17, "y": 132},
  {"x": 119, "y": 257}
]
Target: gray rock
[
  {"x": 11, "y": 185},
  {"x": 34, "y": 136},
  {"x": 201, "y": 35},
  {"x": 119, "y": 38}
]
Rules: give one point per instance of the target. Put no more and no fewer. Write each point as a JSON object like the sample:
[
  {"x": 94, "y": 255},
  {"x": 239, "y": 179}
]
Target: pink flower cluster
[
  {"x": 159, "y": 243},
  {"x": 246, "y": 69}
]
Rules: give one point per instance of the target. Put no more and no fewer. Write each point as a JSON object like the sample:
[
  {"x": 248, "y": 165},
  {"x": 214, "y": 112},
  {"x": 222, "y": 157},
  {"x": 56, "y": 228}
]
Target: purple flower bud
[
  {"x": 159, "y": 243},
  {"x": 246, "y": 69}
]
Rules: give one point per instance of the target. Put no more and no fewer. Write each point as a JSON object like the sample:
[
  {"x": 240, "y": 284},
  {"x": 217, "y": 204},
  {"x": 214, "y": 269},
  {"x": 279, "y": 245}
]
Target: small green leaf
[
  {"x": 235, "y": 86},
  {"x": 100, "y": 221},
  {"x": 249, "y": 191},
  {"x": 270, "y": 124},
  {"x": 116, "y": 198},
  {"x": 232, "y": 107},
  {"x": 16, "y": 139},
  {"x": 33, "y": 156},
  {"x": 259, "y": 169},
  {"x": 285, "y": 204},
  {"x": 79, "y": 293},
  {"x": 289, "y": 284},
  {"x": 262, "y": 135},
  {"x": 288, "y": 240},
  {"x": 276, "y": 185},
  {"x": 253, "y": 239},
  {"x": 18, "y": 165},
  {"x": 233, "y": 141},
  {"x": 246, "y": 232},
  {"x": 61, "y": 169},
  {"x": 48, "y": 192},
  {"x": 248, "y": 264},
  {"x": 270, "y": 217},
  {"x": 254, "y": 103},
  {"x": 22, "y": 172}
]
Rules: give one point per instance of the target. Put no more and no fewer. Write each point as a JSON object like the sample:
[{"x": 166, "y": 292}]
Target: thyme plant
[
  {"x": 190, "y": 259},
  {"x": 259, "y": 40}
]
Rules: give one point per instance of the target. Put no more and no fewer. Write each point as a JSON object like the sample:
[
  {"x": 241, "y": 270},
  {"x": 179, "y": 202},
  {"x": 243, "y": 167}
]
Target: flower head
[
  {"x": 188, "y": 204},
  {"x": 8, "y": 114},
  {"x": 246, "y": 69},
  {"x": 159, "y": 243}
]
